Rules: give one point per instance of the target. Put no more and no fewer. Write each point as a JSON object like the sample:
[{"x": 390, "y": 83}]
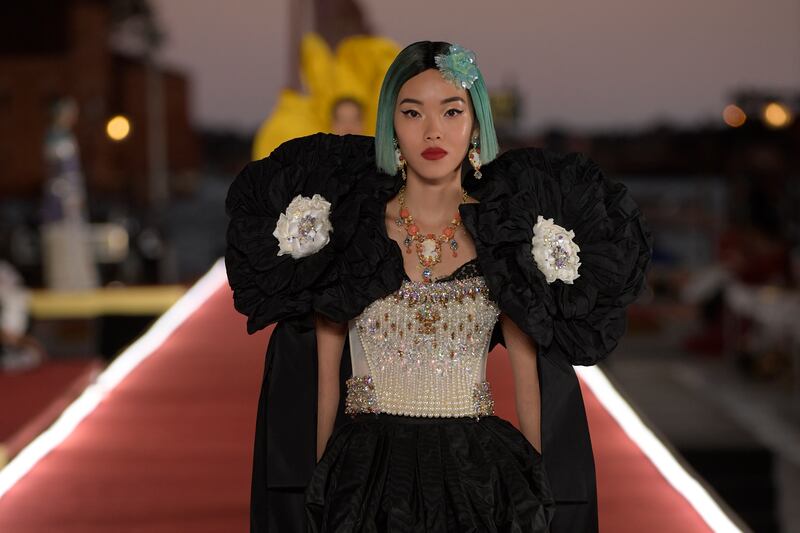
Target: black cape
[{"x": 572, "y": 324}]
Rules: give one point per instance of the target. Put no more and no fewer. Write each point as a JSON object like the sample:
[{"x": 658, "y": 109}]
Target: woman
[
  {"x": 67, "y": 257},
  {"x": 392, "y": 266}
]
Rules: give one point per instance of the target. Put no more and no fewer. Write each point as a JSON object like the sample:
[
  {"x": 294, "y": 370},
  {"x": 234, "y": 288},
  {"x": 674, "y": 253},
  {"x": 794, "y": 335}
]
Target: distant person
[
  {"x": 340, "y": 95},
  {"x": 18, "y": 350},
  {"x": 347, "y": 117},
  {"x": 67, "y": 257}
]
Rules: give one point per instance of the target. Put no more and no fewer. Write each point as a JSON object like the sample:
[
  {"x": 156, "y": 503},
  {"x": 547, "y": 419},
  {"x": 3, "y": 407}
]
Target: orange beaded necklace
[{"x": 429, "y": 246}]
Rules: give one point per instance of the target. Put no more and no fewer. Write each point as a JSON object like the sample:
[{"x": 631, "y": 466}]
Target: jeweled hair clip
[{"x": 458, "y": 66}]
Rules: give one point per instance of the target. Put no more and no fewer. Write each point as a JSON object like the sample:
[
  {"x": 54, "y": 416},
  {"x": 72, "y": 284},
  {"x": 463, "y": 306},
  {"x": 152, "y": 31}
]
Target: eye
[
  {"x": 408, "y": 113},
  {"x": 455, "y": 112}
]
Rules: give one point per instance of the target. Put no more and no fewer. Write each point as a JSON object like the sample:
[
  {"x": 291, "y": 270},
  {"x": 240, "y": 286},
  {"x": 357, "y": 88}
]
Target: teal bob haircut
[{"x": 412, "y": 60}]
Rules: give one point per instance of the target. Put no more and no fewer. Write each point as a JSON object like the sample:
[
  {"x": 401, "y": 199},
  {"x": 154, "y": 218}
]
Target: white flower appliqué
[
  {"x": 304, "y": 228},
  {"x": 555, "y": 251}
]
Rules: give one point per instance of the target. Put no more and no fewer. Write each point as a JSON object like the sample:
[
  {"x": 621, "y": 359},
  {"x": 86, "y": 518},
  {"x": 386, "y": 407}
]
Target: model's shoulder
[
  {"x": 323, "y": 164},
  {"x": 522, "y": 168},
  {"x": 309, "y": 146},
  {"x": 564, "y": 250},
  {"x": 301, "y": 234}
]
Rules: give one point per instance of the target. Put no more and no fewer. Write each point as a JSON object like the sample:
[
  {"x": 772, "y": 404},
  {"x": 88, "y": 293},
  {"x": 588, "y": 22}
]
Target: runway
[{"x": 162, "y": 440}]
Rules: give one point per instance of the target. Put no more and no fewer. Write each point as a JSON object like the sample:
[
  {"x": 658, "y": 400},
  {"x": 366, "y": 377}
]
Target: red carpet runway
[{"x": 161, "y": 442}]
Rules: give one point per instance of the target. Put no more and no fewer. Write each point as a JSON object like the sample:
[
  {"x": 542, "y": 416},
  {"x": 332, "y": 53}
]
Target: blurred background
[{"x": 123, "y": 122}]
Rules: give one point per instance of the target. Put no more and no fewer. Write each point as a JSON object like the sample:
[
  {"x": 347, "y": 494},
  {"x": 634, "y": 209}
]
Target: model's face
[
  {"x": 347, "y": 119},
  {"x": 432, "y": 112}
]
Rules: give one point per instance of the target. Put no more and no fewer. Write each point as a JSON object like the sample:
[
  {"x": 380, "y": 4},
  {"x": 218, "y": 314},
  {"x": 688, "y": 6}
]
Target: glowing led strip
[
  {"x": 654, "y": 449},
  {"x": 122, "y": 365}
]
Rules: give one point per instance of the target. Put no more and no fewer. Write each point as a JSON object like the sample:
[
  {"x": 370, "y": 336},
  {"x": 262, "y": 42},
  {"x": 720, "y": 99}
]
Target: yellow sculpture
[{"x": 343, "y": 91}]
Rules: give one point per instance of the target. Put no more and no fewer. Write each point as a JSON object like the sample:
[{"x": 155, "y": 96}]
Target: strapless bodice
[{"x": 422, "y": 350}]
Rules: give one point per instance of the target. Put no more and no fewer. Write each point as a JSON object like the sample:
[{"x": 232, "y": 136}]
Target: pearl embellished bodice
[{"x": 422, "y": 350}]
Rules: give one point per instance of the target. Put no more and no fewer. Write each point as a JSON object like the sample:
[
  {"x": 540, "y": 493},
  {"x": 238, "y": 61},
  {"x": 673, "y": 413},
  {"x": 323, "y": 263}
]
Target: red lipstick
[{"x": 434, "y": 153}]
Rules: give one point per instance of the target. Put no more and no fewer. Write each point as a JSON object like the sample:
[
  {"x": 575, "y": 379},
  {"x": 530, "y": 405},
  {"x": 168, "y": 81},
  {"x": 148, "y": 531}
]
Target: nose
[{"x": 433, "y": 131}]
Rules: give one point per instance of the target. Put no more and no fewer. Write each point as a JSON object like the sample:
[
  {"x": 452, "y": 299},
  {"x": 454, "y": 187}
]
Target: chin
[{"x": 437, "y": 170}]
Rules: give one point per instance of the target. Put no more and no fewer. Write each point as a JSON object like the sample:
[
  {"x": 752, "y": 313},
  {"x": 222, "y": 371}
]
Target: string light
[
  {"x": 118, "y": 127},
  {"x": 734, "y": 116}
]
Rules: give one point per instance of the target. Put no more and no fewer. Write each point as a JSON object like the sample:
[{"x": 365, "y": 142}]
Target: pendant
[
  {"x": 454, "y": 247},
  {"x": 430, "y": 251},
  {"x": 426, "y": 275}
]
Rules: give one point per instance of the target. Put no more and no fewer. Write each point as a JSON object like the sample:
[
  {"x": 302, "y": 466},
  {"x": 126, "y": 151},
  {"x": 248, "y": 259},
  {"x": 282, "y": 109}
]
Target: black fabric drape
[{"x": 577, "y": 323}]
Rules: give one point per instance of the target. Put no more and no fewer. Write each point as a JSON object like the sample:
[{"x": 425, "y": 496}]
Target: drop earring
[
  {"x": 400, "y": 161},
  {"x": 475, "y": 158}
]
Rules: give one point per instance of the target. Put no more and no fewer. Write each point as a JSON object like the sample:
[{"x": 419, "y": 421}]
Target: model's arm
[
  {"x": 522, "y": 353},
  {"x": 330, "y": 343}
]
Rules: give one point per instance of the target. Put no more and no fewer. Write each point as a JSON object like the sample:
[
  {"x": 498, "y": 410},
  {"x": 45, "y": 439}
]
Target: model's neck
[{"x": 433, "y": 202}]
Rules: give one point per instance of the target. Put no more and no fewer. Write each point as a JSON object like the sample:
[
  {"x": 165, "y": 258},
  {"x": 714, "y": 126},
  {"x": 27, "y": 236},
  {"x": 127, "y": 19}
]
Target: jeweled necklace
[{"x": 429, "y": 246}]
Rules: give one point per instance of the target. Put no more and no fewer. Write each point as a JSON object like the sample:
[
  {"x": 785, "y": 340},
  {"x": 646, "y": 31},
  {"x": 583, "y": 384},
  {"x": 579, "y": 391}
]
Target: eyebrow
[{"x": 445, "y": 101}]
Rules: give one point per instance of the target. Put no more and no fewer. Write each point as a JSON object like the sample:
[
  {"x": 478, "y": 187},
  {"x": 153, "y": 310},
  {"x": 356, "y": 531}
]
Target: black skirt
[{"x": 392, "y": 473}]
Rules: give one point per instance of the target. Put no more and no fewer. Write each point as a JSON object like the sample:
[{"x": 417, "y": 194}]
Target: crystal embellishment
[
  {"x": 428, "y": 358},
  {"x": 304, "y": 228},
  {"x": 555, "y": 251},
  {"x": 361, "y": 396},
  {"x": 482, "y": 401}
]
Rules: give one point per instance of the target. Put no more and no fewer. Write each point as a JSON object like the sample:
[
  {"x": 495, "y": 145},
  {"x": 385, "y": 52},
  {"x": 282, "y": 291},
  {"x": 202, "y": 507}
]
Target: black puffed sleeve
[
  {"x": 268, "y": 287},
  {"x": 579, "y": 322}
]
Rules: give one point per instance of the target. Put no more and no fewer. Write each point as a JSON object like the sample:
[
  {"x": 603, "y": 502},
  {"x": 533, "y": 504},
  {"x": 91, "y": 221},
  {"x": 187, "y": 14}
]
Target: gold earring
[
  {"x": 402, "y": 166},
  {"x": 475, "y": 158},
  {"x": 400, "y": 161}
]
